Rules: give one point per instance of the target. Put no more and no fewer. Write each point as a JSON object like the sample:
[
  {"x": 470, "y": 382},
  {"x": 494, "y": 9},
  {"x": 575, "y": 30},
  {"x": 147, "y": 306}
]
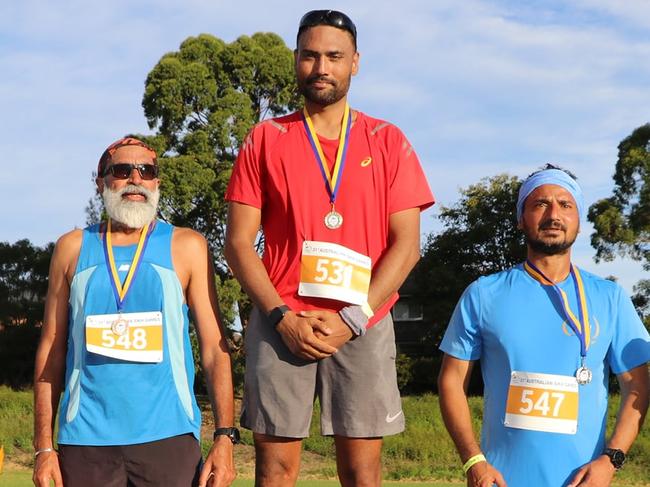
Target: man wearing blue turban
[{"x": 547, "y": 334}]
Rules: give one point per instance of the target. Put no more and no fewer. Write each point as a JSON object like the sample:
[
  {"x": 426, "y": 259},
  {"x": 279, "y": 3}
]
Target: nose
[
  {"x": 553, "y": 210},
  {"x": 135, "y": 177},
  {"x": 322, "y": 66}
]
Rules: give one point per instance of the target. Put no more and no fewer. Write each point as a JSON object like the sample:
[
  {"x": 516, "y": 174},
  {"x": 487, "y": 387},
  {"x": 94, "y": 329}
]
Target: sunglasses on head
[
  {"x": 123, "y": 170},
  {"x": 328, "y": 17}
]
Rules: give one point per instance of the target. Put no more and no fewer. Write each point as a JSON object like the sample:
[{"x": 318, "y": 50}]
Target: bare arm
[
  {"x": 49, "y": 367},
  {"x": 402, "y": 254},
  {"x": 191, "y": 252},
  {"x": 297, "y": 332},
  {"x": 635, "y": 386},
  {"x": 452, "y": 388}
]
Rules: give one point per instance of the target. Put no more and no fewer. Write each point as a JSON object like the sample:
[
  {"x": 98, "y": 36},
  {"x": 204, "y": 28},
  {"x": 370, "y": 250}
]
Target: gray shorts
[{"x": 356, "y": 387}]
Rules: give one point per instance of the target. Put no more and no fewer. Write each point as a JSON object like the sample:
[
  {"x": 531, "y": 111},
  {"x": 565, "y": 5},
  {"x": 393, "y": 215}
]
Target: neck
[
  {"x": 327, "y": 118},
  {"x": 122, "y": 234},
  {"x": 555, "y": 267}
]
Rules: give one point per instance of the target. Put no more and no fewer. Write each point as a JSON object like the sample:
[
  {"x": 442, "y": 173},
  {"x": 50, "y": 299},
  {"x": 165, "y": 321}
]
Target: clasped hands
[{"x": 313, "y": 335}]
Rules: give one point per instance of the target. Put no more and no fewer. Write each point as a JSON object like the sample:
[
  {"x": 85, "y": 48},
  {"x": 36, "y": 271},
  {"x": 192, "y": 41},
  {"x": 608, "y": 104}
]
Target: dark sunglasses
[
  {"x": 328, "y": 17},
  {"x": 123, "y": 170}
]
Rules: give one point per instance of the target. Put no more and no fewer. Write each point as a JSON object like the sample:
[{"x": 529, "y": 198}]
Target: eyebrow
[{"x": 317, "y": 53}]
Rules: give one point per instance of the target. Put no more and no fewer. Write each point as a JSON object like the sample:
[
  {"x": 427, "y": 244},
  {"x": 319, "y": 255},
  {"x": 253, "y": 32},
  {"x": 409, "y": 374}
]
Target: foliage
[
  {"x": 641, "y": 300},
  {"x": 202, "y": 100},
  {"x": 15, "y": 420},
  {"x": 479, "y": 237},
  {"x": 622, "y": 221},
  {"x": 23, "y": 285}
]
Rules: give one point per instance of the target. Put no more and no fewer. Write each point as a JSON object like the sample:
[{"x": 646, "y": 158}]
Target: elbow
[{"x": 413, "y": 256}]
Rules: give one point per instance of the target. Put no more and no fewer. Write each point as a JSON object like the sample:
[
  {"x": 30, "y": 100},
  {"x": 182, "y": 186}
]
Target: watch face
[
  {"x": 234, "y": 436},
  {"x": 616, "y": 456}
]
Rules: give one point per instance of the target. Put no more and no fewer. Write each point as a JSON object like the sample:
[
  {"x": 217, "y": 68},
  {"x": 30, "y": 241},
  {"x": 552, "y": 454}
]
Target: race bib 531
[{"x": 329, "y": 270}]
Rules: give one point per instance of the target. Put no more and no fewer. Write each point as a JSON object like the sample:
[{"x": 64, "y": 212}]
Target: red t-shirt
[{"x": 277, "y": 172}]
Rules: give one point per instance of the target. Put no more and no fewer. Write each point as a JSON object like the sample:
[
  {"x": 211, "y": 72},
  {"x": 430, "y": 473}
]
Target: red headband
[{"x": 110, "y": 150}]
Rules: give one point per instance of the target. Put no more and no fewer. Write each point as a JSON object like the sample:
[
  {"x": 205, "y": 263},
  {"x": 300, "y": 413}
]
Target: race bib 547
[{"x": 542, "y": 402}]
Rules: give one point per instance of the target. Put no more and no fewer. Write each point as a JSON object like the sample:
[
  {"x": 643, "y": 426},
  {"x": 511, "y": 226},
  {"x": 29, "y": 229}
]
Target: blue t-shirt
[
  {"x": 511, "y": 322},
  {"x": 108, "y": 401}
]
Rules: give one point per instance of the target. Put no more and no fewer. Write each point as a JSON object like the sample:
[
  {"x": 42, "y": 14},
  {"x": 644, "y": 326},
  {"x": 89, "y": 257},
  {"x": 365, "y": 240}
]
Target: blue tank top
[{"x": 108, "y": 401}]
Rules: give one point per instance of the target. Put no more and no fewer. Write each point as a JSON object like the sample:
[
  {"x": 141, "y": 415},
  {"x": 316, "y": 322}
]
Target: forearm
[
  {"x": 249, "y": 270},
  {"x": 48, "y": 383},
  {"x": 632, "y": 410},
  {"x": 458, "y": 420},
  {"x": 391, "y": 272},
  {"x": 218, "y": 375}
]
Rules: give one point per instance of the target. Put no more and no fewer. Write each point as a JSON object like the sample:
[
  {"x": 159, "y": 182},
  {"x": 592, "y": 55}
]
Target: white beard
[{"x": 133, "y": 214}]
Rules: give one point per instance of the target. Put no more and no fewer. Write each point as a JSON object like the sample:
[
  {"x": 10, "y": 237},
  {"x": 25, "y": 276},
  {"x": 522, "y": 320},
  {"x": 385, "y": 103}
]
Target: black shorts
[{"x": 172, "y": 462}]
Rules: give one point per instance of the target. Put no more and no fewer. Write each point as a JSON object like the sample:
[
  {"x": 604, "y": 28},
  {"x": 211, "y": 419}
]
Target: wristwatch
[
  {"x": 277, "y": 313},
  {"x": 616, "y": 456},
  {"x": 232, "y": 433}
]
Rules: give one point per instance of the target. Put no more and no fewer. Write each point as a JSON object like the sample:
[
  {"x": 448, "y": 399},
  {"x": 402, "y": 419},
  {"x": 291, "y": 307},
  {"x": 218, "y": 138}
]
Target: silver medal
[
  {"x": 120, "y": 326},
  {"x": 333, "y": 220},
  {"x": 583, "y": 374}
]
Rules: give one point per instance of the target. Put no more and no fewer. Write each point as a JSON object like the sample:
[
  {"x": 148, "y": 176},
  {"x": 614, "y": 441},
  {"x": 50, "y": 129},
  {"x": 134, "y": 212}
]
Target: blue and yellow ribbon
[
  {"x": 121, "y": 290},
  {"x": 332, "y": 179},
  {"x": 579, "y": 326}
]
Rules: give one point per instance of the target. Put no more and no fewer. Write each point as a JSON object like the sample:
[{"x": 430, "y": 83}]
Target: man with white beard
[{"x": 115, "y": 341}]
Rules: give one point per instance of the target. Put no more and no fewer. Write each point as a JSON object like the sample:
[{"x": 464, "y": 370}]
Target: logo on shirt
[
  {"x": 594, "y": 327},
  {"x": 366, "y": 162}
]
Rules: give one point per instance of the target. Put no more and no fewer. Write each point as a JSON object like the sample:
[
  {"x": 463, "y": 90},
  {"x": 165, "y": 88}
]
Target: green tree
[
  {"x": 479, "y": 236},
  {"x": 201, "y": 101},
  {"x": 622, "y": 221},
  {"x": 23, "y": 285}
]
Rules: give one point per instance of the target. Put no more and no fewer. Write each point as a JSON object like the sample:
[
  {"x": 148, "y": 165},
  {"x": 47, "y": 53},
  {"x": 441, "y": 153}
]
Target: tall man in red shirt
[{"x": 338, "y": 195}]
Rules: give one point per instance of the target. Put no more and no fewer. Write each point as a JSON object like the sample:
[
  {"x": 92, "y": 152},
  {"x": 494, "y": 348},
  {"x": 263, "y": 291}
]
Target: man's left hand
[
  {"x": 219, "y": 466},
  {"x": 598, "y": 473},
  {"x": 340, "y": 332}
]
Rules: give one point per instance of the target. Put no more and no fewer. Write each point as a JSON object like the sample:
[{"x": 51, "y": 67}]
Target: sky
[{"x": 480, "y": 87}]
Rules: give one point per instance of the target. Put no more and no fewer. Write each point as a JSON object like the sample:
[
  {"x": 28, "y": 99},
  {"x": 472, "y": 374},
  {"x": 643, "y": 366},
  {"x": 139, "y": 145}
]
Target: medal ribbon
[
  {"x": 332, "y": 179},
  {"x": 579, "y": 326},
  {"x": 120, "y": 291}
]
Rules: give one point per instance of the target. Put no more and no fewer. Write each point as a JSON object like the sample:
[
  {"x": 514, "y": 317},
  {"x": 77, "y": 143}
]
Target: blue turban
[{"x": 550, "y": 176}]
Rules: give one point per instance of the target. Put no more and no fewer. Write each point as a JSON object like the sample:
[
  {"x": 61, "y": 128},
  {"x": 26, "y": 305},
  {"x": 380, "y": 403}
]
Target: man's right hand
[
  {"x": 298, "y": 335},
  {"x": 46, "y": 468},
  {"x": 484, "y": 475}
]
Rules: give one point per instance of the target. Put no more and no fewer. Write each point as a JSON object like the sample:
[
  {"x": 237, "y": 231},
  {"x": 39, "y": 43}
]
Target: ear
[
  {"x": 100, "y": 184},
  {"x": 355, "y": 63}
]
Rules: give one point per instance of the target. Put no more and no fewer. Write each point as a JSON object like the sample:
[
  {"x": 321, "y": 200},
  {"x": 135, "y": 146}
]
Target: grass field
[
  {"x": 418, "y": 457},
  {"x": 24, "y": 479}
]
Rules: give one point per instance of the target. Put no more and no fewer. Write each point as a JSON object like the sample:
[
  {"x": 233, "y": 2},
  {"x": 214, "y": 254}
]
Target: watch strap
[
  {"x": 616, "y": 456},
  {"x": 277, "y": 313},
  {"x": 232, "y": 433}
]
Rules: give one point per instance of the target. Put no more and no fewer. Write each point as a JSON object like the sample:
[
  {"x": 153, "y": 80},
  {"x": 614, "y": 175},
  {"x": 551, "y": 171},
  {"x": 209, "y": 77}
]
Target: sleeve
[
  {"x": 630, "y": 345},
  {"x": 245, "y": 184},
  {"x": 408, "y": 186},
  {"x": 463, "y": 338}
]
